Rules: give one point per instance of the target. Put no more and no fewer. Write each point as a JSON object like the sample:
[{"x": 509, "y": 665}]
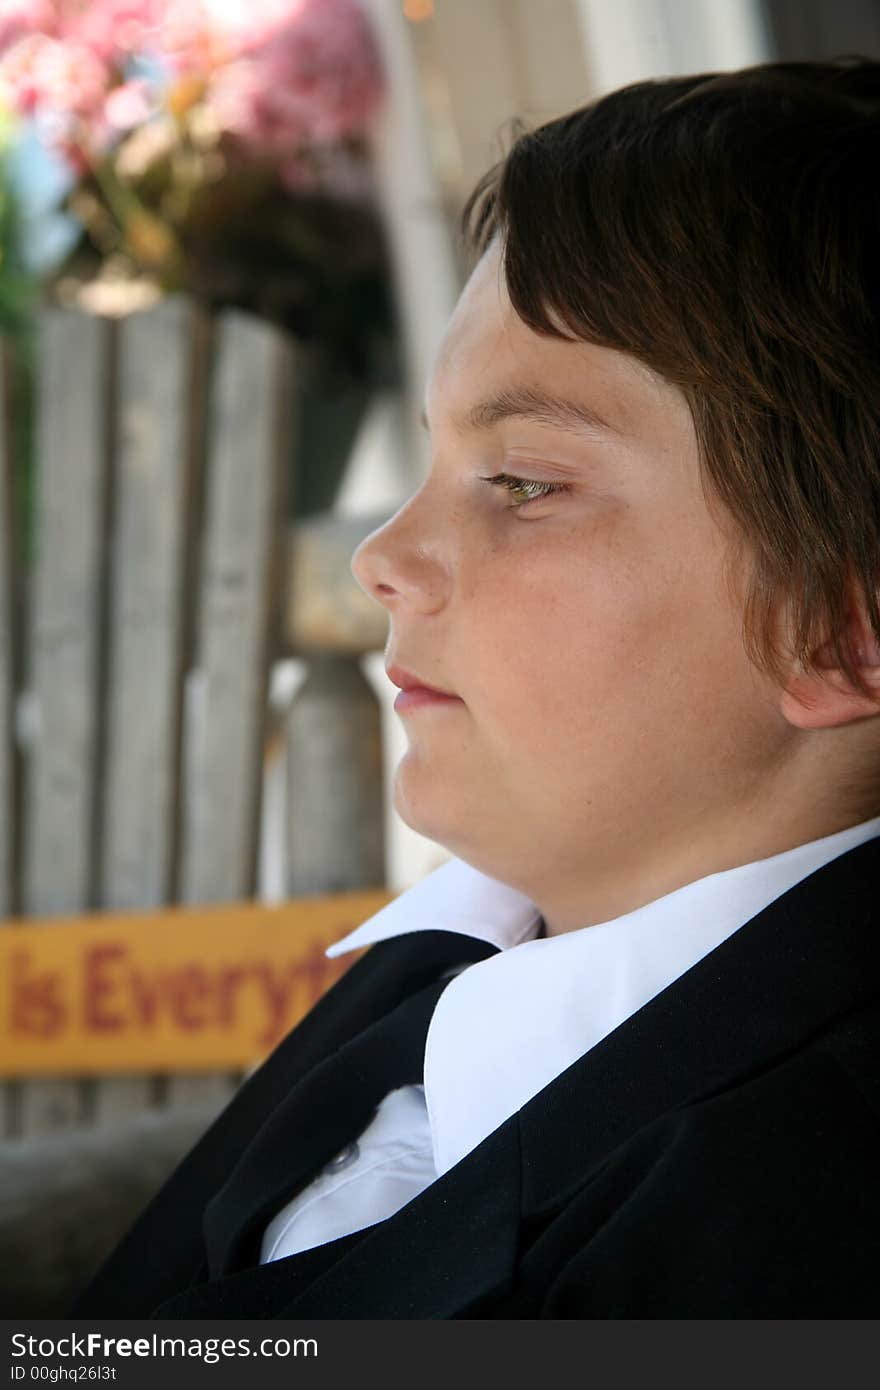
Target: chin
[
  {"x": 451, "y": 812},
  {"x": 419, "y": 812},
  {"x": 422, "y": 806}
]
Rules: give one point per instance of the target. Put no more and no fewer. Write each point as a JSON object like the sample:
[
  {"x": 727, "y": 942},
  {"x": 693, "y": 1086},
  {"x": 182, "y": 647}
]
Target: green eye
[{"x": 525, "y": 489}]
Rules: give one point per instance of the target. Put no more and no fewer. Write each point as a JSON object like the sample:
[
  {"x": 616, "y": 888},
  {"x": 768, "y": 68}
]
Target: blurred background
[{"x": 228, "y": 252}]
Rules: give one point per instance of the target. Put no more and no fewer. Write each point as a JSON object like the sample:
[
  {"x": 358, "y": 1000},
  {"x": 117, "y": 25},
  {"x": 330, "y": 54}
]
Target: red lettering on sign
[
  {"x": 146, "y": 994},
  {"x": 37, "y": 1006},
  {"x": 97, "y": 986},
  {"x": 189, "y": 987},
  {"x": 228, "y": 980}
]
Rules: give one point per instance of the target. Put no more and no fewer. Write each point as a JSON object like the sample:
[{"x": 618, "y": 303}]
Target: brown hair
[{"x": 724, "y": 229}]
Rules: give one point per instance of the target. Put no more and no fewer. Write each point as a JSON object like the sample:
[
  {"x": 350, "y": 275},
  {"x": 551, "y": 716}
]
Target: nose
[{"x": 400, "y": 565}]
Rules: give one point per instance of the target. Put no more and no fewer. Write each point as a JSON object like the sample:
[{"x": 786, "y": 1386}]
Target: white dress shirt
[{"x": 505, "y": 1027}]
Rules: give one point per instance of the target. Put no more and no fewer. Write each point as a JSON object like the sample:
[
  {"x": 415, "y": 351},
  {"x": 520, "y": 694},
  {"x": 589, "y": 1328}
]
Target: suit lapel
[
  {"x": 451, "y": 1246},
  {"x": 164, "y": 1250},
  {"x": 329, "y": 1107},
  {"x": 260, "y": 1292},
  {"x": 807, "y": 958},
  {"x": 332, "y": 1101}
]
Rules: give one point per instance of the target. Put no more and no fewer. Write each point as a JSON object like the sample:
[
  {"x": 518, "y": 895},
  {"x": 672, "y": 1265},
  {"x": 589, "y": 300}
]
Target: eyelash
[{"x": 513, "y": 484}]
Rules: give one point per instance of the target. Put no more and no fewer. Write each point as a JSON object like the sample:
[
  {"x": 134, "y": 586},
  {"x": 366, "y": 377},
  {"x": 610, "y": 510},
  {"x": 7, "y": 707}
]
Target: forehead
[{"x": 487, "y": 347}]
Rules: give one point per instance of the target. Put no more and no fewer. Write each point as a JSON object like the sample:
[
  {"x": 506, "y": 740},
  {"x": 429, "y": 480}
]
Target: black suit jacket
[{"x": 717, "y": 1155}]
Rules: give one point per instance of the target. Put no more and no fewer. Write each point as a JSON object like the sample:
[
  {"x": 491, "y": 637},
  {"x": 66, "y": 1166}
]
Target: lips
[{"x": 408, "y": 680}]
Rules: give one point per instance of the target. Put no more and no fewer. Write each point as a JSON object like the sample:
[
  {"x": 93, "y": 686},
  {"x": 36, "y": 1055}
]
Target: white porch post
[
  {"x": 630, "y": 40},
  {"x": 425, "y": 275}
]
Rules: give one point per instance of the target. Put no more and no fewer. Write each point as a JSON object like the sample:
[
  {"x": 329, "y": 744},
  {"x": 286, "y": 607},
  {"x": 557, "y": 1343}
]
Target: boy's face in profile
[{"x": 612, "y": 739}]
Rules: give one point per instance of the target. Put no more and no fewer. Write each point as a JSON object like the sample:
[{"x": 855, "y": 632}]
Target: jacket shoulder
[
  {"x": 855, "y": 1043},
  {"x": 756, "y": 1202}
]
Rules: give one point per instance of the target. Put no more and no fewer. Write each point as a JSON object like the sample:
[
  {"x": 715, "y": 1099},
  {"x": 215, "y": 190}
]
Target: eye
[{"x": 526, "y": 489}]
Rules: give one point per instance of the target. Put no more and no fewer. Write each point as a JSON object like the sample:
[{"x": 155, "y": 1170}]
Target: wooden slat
[
  {"x": 228, "y": 691},
  {"x": 201, "y": 335},
  {"x": 143, "y": 633},
  {"x": 144, "y": 614},
  {"x": 334, "y": 781},
  {"x": 238, "y": 622},
  {"x": 62, "y": 644}
]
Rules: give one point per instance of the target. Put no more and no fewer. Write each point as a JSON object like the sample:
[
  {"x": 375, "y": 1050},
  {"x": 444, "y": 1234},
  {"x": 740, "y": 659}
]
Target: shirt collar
[
  {"x": 506, "y": 1026},
  {"x": 459, "y": 898}
]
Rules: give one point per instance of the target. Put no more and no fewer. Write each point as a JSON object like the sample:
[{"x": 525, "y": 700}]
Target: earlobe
[
  {"x": 826, "y": 698},
  {"x": 829, "y": 700}
]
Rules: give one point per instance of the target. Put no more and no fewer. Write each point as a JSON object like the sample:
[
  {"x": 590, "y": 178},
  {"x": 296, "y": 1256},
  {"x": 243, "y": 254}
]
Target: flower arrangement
[{"x": 215, "y": 146}]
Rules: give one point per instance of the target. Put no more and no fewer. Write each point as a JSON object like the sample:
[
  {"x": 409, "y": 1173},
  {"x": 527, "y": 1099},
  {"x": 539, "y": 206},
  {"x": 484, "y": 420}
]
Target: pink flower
[
  {"x": 204, "y": 34},
  {"x": 110, "y": 27},
  {"x": 114, "y": 29},
  {"x": 63, "y": 85},
  {"x": 314, "y": 80},
  {"x": 128, "y": 105},
  {"x": 70, "y": 77},
  {"x": 65, "y": 71},
  {"x": 280, "y": 76},
  {"x": 21, "y": 17}
]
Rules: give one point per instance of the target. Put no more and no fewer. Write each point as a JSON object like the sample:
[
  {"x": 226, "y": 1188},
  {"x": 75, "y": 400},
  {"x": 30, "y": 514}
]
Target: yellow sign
[{"x": 182, "y": 989}]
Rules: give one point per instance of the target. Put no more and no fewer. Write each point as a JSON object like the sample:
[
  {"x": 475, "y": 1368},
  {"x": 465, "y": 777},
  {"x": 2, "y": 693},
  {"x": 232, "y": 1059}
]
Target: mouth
[
  {"x": 415, "y": 693},
  {"x": 407, "y": 680}
]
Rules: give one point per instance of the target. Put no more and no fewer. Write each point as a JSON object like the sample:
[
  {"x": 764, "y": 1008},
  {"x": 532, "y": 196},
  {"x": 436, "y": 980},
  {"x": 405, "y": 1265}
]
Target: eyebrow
[{"x": 530, "y": 403}]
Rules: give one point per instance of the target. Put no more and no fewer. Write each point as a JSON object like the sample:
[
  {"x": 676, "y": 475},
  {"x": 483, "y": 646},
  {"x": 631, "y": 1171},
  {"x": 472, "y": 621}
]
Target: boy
[{"x": 619, "y": 1057}]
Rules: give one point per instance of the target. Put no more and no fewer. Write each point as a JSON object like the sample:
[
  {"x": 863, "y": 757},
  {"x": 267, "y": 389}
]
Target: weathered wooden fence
[{"x": 167, "y": 578}]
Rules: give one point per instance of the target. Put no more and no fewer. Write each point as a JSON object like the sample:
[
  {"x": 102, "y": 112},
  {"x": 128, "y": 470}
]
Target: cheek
[
  {"x": 557, "y": 635},
  {"x": 605, "y": 635}
]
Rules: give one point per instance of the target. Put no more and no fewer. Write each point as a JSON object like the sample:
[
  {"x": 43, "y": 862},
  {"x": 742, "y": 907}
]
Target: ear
[{"x": 826, "y": 699}]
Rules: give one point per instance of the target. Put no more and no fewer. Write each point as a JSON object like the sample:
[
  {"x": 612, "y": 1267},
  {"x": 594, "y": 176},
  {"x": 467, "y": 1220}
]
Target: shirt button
[{"x": 350, "y": 1154}]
